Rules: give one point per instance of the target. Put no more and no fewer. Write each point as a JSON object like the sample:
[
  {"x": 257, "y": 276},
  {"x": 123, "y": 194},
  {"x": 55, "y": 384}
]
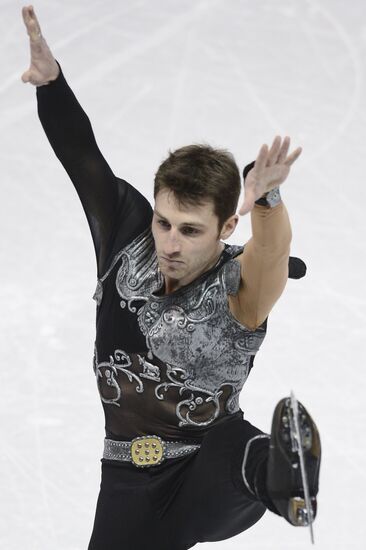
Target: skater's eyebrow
[{"x": 191, "y": 224}]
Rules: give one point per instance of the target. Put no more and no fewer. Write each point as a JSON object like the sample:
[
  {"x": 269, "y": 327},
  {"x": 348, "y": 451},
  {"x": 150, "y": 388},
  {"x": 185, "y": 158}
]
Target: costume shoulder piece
[{"x": 138, "y": 275}]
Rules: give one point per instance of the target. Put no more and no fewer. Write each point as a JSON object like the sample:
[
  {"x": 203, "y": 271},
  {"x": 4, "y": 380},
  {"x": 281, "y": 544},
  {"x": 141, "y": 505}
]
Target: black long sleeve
[{"x": 115, "y": 210}]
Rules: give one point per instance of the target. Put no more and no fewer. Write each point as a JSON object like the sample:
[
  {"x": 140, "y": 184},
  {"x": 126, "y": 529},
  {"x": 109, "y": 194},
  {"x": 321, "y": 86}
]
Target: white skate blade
[{"x": 299, "y": 449}]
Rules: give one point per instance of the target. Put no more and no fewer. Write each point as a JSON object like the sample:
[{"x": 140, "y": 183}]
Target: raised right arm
[
  {"x": 71, "y": 136},
  {"x": 116, "y": 211}
]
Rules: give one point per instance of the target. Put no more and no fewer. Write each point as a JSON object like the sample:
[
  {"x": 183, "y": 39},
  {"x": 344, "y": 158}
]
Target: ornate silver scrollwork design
[
  {"x": 109, "y": 370},
  {"x": 193, "y": 401}
]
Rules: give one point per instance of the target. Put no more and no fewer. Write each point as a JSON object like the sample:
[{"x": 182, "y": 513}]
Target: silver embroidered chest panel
[{"x": 191, "y": 331}]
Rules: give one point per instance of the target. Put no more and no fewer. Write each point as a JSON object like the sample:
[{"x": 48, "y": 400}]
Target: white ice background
[{"x": 153, "y": 76}]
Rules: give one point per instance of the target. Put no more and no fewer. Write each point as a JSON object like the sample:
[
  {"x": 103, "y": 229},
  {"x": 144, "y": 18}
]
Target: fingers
[
  {"x": 31, "y": 23},
  {"x": 284, "y": 150},
  {"x": 277, "y": 154},
  {"x": 261, "y": 160},
  {"x": 274, "y": 151},
  {"x": 291, "y": 158}
]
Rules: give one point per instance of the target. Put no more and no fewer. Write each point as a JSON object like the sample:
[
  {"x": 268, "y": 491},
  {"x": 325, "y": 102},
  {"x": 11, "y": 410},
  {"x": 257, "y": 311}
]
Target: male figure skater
[{"x": 180, "y": 317}]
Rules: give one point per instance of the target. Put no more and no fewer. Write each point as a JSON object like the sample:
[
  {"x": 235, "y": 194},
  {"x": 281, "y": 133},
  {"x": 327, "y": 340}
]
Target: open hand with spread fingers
[
  {"x": 43, "y": 67},
  {"x": 271, "y": 168}
]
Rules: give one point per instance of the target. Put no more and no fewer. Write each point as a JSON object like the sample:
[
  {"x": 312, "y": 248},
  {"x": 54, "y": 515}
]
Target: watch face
[{"x": 273, "y": 197}]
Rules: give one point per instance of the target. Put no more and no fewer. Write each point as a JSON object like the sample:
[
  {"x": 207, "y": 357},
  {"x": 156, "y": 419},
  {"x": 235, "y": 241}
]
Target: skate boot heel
[{"x": 297, "y": 511}]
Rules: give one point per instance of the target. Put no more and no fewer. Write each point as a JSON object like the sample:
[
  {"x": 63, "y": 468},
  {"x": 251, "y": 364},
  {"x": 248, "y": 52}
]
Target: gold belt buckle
[{"x": 147, "y": 450}]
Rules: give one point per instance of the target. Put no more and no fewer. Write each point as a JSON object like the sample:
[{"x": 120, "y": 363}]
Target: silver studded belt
[{"x": 148, "y": 450}]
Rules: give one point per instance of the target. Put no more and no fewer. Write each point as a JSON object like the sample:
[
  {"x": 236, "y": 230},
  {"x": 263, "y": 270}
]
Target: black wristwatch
[{"x": 270, "y": 199}]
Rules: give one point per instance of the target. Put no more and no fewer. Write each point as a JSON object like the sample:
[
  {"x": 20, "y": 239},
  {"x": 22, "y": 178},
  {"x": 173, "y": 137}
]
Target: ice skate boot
[{"x": 293, "y": 463}]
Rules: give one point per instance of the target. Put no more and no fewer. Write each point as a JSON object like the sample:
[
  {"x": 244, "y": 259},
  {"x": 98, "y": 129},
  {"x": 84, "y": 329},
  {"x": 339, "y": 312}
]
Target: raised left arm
[{"x": 264, "y": 262}]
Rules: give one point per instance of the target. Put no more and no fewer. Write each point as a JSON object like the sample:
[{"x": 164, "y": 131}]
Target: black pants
[{"x": 172, "y": 506}]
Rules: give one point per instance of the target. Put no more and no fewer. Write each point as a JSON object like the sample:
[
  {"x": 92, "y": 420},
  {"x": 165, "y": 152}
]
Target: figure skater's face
[{"x": 186, "y": 239}]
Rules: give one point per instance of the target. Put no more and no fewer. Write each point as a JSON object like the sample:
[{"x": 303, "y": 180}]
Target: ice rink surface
[{"x": 153, "y": 76}]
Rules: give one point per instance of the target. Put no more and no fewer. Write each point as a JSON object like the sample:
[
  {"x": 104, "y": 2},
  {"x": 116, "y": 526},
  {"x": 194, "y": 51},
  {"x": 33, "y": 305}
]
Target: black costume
[{"x": 153, "y": 364}]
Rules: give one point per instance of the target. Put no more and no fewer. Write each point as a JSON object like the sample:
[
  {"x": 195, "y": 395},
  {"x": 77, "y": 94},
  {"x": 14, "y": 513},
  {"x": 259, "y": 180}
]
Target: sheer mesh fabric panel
[
  {"x": 136, "y": 416},
  {"x": 116, "y": 211}
]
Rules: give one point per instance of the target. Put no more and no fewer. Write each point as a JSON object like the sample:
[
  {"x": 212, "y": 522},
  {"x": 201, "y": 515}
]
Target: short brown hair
[{"x": 199, "y": 173}]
